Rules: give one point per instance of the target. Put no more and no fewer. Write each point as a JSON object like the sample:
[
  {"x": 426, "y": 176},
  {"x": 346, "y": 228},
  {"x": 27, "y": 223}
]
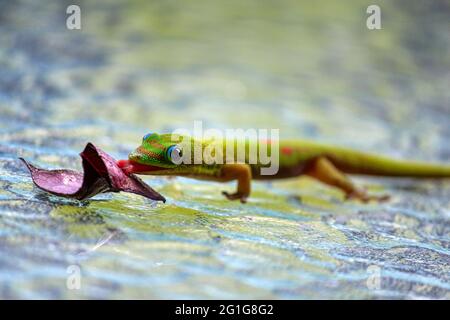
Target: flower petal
[{"x": 100, "y": 174}]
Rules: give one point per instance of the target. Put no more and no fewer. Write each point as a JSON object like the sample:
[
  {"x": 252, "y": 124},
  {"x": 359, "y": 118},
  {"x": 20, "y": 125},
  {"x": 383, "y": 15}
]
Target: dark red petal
[
  {"x": 59, "y": 182},
  {"x": 101, "y": 174},
  {"x": 109, "y": 169}
]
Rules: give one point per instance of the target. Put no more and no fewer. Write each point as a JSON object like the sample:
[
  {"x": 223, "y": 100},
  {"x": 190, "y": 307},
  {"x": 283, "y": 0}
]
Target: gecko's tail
[{"x": 360, "y": 163}]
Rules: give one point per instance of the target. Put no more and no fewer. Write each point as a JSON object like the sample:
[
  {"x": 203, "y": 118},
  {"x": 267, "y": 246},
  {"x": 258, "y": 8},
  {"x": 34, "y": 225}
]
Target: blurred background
[{"x": 310, "y": 68}]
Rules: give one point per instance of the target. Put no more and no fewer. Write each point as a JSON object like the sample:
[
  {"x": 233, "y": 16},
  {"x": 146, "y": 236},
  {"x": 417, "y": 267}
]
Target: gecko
[{"x": 328, "y": 164}]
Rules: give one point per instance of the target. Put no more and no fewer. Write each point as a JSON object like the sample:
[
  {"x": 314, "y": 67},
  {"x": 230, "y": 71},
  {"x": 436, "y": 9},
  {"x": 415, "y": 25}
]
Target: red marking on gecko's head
[{"x": 286, "y": 150}]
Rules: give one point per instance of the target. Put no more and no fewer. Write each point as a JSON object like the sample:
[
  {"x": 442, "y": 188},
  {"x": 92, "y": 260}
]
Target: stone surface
[{"x": 309, "y": 68}]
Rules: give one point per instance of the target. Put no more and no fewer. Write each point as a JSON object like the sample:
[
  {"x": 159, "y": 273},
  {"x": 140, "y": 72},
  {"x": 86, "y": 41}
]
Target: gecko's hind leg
[{"x": 324, "y": 170}]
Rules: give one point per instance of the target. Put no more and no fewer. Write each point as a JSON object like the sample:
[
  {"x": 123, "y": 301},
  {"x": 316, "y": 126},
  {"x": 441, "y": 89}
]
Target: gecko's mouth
[{"x": 129, "y": 166}]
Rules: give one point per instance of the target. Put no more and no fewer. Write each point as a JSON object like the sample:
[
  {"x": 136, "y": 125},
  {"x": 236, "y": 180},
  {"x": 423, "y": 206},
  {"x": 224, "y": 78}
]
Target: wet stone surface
[{"x": 311, "y": 70}]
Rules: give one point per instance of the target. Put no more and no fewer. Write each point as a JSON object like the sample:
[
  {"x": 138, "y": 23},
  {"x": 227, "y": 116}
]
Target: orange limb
[
  {"x": 324, "y": 170},
  {"x": 243, "y": 174}
]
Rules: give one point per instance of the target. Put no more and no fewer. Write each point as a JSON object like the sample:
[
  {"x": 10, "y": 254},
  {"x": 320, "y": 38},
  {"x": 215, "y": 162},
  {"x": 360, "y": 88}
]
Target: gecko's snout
[
  {"x": 129, "y": 165},
  {"x": 136, "y": 156}
]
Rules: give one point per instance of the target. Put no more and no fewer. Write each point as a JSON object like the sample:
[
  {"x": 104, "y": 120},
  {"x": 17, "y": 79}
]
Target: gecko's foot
[
  {"x": 235, "y": 196},
  {"x": 365, "y": 197}
]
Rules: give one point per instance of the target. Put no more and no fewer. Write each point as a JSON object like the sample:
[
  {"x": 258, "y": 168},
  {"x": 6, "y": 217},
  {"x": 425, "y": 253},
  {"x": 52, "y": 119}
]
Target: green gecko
[{"x": 326, "y": 163}]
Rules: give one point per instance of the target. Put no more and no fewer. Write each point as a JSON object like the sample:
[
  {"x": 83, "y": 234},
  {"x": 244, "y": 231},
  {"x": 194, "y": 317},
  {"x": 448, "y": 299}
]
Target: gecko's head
[{"x": 157, "y": 154}]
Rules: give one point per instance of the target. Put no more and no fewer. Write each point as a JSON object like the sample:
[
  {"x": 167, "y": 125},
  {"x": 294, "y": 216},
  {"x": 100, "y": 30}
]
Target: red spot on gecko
[{"x": 287, "y": 151}]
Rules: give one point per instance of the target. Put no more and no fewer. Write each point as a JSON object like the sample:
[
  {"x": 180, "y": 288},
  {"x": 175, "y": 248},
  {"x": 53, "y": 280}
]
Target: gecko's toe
[
  {"x": 235, "y": 196},
  {"x": 383, "y": 198},
  {"x": 365, "y": 197}
]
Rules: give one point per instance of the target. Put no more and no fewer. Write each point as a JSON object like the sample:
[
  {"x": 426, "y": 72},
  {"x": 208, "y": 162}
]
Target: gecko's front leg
[{"x": 243, "y": 174}]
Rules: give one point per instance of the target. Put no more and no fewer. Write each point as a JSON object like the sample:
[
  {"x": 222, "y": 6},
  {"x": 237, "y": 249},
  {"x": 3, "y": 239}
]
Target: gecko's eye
[
  {"x": 174, "y": 154},
  {"x": 146, "y": 136}
]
